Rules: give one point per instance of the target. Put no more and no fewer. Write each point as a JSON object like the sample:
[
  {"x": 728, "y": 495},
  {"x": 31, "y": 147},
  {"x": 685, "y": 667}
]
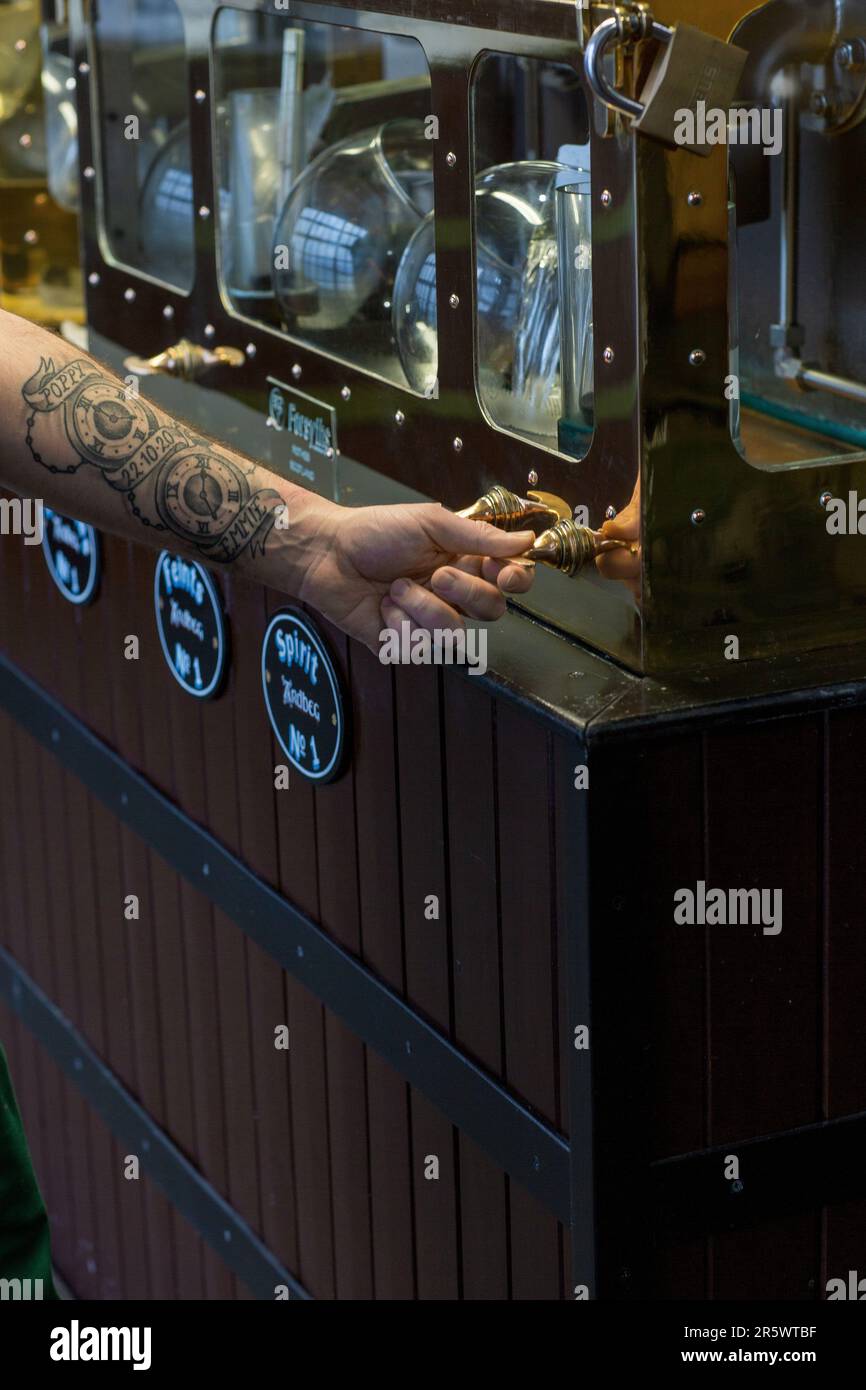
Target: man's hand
[
  {"x": 72, "y": 434},
  {"x": 374, "y": 567}
]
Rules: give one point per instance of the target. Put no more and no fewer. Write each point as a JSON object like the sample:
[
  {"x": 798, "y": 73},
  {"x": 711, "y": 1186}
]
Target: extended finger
[
  {"x": 469, "y": 593},
  {"x": 511, "y": 579},
  {"x": 425, "y": 608},
  {"x": 393, "y": 616}
]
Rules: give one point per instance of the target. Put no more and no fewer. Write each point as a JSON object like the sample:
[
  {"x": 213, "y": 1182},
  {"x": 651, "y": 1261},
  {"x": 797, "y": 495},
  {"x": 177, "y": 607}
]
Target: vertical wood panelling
[
  {"x": 86, "y": 906},
  {"x": 468, "y": 737},
  {"x": 61, "y": 868},
  {"x": 669, "y": 784},
  {"x": 147, "y": 1248},
  {"x": 844, "y": 969},
  {"x": 639, "y": 1022},
  {"x": 380, "y": 899},
  {"x": 36, "y": 944},
  {"x": 151, "y": 700},
  {"x": 298, "y": 879},
  {"x": 267, "y": 1000},
  {"x": 421, "y": 799},
  {"x": 14, "y": 919},
  {"x": 844, "y": 1083},
  {"x": 763, "y": 819},
  {"x": 220, "y": 958},
  {"x": 339, "y": 913},
  {"x": 764, "y": 798},
  {"x": 530, "y": 1008},
  {"x": 701, "y": 1034}
]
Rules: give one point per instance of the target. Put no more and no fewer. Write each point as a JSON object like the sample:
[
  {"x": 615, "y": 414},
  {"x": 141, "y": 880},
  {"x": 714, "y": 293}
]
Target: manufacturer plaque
[{"x": 310, "y": 429}]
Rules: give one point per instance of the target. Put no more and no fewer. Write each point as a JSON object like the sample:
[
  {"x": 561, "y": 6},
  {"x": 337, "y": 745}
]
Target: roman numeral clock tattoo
[{"x": 172, "y": 479}]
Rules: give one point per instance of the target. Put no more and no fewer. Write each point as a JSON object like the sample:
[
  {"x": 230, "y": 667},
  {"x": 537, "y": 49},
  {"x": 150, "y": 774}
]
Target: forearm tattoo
[{"x": 172, "y": 479}]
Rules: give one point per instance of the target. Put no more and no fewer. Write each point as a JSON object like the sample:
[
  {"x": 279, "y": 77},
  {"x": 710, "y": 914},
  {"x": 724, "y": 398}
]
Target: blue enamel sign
[
  {"x": 71, "y": 550},
  {"x": 191, "y": 624},
  {"x": 303, "y": 696}
]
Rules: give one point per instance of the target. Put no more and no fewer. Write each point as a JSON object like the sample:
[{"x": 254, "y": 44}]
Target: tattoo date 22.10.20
[{"x": 172, "y": 479}]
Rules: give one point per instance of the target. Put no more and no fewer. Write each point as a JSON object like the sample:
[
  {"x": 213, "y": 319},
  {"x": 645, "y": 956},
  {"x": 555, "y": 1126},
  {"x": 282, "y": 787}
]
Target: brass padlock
[{"x": 691, "y": 67}]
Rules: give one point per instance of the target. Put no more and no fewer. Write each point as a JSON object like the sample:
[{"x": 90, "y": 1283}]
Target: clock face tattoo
[
  {"x": 200, "y": 494},
  {"x": 172, "y": 479},
  {"x": 106, "y": 425}
]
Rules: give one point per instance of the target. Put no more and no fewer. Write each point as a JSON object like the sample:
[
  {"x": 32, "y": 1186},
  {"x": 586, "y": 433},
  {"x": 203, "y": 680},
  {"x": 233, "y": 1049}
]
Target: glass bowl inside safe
[
  {"x": 517, "y": 297},
  {"x": 340, "y": 237}
]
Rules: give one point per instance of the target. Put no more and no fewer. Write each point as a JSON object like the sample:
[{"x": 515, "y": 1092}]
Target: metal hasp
[
  {"x": 564, "y": 545},
  {"x": 690, "y": 67},
  {"x": 626, "y": 26}
]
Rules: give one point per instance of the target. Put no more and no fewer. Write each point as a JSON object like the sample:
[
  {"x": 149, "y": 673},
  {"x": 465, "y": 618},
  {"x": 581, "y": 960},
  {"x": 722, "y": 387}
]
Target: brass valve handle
[
  {"x": 564, "y": 545},
  {"x": 509, "y": 512},
  {"x": 185, "y": 359}
]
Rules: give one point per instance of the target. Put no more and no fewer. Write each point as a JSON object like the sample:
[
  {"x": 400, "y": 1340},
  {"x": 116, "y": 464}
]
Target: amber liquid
[
  {"x": 19, "y": 66},
  {"x": 40, "y": 275}
]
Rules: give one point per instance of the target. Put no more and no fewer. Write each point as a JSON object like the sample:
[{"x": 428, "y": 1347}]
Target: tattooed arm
[{"x": 72, "y": 435}]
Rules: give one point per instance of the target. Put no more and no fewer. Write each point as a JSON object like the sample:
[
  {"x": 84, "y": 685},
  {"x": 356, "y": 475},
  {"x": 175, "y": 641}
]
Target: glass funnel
[
  {"x": 517, "y": 295},
  {"x": 340, "y": 236}
]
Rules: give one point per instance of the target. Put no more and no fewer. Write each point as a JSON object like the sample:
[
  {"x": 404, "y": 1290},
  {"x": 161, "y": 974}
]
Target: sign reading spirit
[
  {"x": 71, "y": 550},
  {"x": 303, "y": 696},
  {"x": 190, "y": 623}
]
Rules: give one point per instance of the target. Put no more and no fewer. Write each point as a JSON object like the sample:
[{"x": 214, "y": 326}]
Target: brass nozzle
[
  {"x": 570, "y": 548},
  {"x": 564, "y": 545},
  {"x": 185, "y": 359},
  {"x": 508, "y": 512}
]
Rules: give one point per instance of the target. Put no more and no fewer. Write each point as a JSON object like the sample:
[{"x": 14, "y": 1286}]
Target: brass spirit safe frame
[
  {"x": 554, "y": 806},
  {"x": 726, "y": 547}
]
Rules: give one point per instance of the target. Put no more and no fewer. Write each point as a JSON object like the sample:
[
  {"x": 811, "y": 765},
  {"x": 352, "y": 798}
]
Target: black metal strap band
[
  {"x": 202, "y": 1206},
  {"x": 516, "y": 1140}
]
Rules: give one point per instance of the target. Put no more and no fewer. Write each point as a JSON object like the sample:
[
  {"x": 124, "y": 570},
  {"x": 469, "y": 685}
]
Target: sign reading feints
[
  {"x": 71, "y": 550},
  {"x": 191, "y": 624},
  {"x": 303, "y": 696},
  {"x": 310, "y": 428}
]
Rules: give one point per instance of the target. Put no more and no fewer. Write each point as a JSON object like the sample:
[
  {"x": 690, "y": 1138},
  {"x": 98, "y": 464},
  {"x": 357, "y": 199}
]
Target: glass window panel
[
  {"x": 797, "y": 337},
  {"x": 326, "y": 173},
  {"x": 533, "y": 252},
  {"x": 144, "y": 137}
]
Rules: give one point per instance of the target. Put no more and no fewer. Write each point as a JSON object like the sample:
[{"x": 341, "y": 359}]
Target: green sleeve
[{"x": 25, "y": 1251}]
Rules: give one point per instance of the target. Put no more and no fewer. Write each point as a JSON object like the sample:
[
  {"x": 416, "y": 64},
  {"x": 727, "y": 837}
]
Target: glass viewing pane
[
  {"x": 533, "y": 253},
  {"x": 326, "y": 171},
  {"x": 797, "y": 329},
  {"x": 144, "y": 137}
]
